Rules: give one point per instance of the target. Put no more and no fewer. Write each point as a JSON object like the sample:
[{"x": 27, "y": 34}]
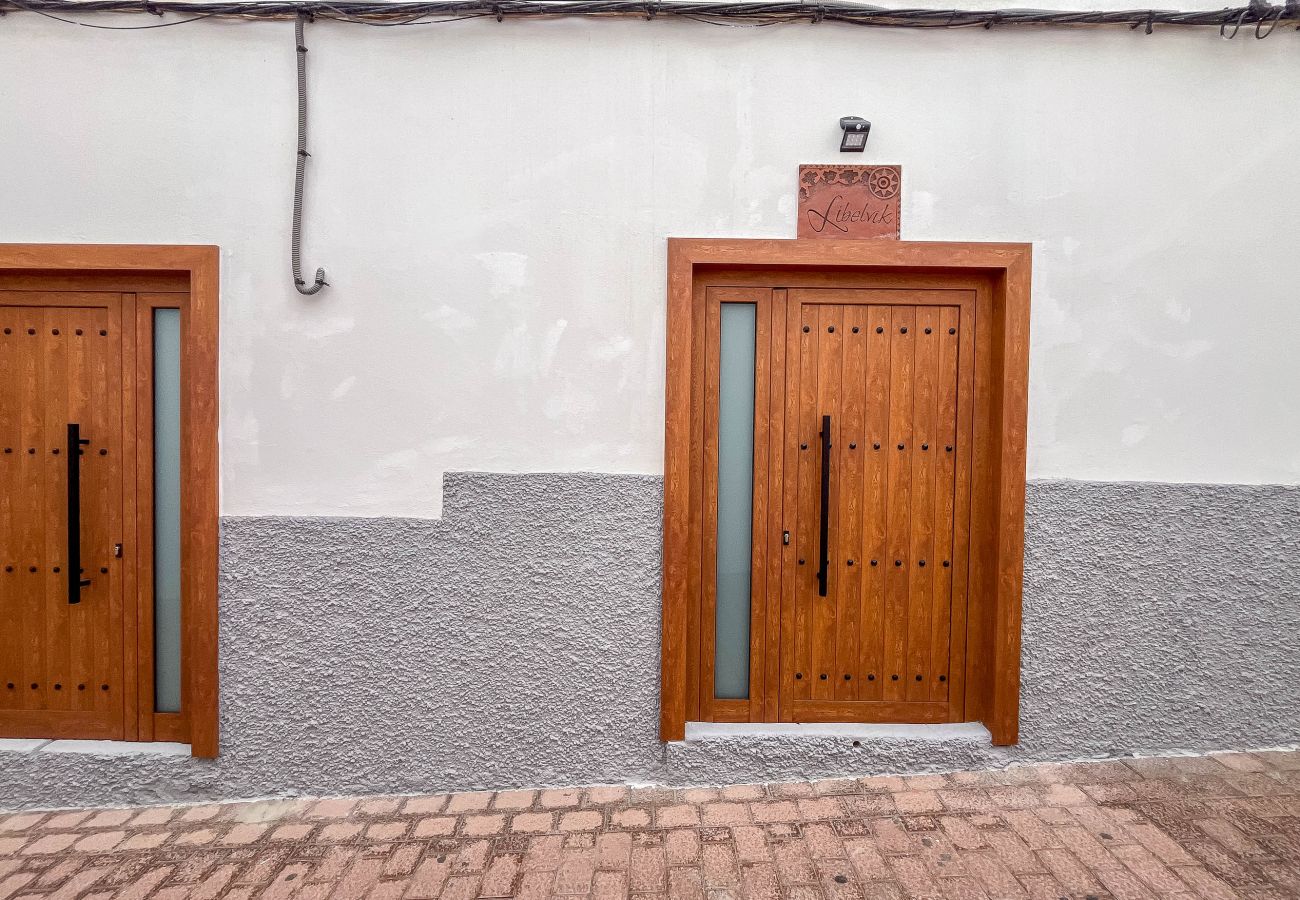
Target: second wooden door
[{"x": 879, "y": 384}]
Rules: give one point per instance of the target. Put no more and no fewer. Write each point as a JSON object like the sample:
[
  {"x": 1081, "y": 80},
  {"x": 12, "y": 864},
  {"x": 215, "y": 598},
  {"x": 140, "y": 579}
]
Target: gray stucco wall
[{"x": 515, "y": 642}]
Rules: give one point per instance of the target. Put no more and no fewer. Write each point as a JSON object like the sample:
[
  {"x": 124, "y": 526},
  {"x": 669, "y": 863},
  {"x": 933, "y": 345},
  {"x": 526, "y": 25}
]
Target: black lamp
[{"x": 856, "y": 129}]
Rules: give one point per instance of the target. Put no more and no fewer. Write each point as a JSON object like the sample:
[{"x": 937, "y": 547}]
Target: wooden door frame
[
  {"x": 199, "y": 265},
  {"x": 998, "y": 479}
]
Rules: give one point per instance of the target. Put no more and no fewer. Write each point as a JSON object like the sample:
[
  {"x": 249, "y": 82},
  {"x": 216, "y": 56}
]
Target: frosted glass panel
[
  {"x": 735, "y": 499},
  {"x": 167, "y": 509}
]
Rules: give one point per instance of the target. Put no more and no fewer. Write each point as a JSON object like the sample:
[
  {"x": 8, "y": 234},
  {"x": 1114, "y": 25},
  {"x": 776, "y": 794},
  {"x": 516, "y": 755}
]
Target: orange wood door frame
[
  {"x": 140, "y": 268},
  {"x": 1000, "y": 273}
]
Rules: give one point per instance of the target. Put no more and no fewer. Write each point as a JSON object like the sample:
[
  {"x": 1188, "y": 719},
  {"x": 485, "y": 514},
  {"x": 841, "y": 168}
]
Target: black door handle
[
  {"x": 824, "y": 563},
  {"x": 75, "y": 581}
]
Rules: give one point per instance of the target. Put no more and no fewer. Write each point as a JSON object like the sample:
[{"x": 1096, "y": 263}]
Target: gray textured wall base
[{"x": 515, "y": 642}]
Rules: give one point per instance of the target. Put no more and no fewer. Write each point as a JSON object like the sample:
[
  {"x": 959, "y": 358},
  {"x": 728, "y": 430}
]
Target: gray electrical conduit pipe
[{"x": 295, "y": 252}]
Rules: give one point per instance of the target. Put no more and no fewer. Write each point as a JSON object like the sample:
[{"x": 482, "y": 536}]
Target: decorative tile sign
[{"x": 850, "y": 202}]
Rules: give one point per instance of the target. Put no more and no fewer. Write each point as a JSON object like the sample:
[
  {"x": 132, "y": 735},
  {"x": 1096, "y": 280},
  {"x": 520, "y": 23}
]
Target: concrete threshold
[
  {"x": 965, "y": 732},
  {"x": 94, "y": 748}
]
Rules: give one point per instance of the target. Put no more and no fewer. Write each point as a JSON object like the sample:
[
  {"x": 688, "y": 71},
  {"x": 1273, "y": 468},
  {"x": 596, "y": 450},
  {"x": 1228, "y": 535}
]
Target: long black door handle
[
  {"x": 824, "y": 564},
  {"x": 75, "y": 581}
]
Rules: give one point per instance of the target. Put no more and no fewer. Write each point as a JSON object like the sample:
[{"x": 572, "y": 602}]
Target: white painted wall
[{"x": 491, "y": 202}]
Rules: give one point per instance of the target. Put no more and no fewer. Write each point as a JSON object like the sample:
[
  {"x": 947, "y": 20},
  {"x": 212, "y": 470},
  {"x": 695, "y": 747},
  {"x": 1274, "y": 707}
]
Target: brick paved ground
[{"x": 1215, "y": 827}]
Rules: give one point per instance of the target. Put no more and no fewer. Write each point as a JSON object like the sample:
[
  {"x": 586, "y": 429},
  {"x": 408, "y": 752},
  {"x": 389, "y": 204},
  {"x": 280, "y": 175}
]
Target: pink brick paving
[{"x": 1172, "y": 828}]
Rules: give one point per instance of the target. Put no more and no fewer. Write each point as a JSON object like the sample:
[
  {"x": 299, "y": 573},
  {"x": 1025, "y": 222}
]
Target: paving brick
[
  {"x": 1185, "y": 828},
  {"x": 472, "y": 802},
  {"x": 559, "y": 798},
  {"x": 681, "y": 815}
]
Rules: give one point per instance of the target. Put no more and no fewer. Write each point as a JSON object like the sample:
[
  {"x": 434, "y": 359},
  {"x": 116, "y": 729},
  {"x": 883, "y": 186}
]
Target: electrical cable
[
  {"x": 300, "y": 49},
  {"x": 1264, "y": 16}
]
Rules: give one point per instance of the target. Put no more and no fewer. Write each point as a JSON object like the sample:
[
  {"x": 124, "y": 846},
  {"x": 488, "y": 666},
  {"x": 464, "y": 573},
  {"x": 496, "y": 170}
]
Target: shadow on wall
[{"x": 515, "y": 642}]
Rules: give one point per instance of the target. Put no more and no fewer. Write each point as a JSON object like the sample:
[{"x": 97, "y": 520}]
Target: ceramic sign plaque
[{"x": 850, "y": 202}]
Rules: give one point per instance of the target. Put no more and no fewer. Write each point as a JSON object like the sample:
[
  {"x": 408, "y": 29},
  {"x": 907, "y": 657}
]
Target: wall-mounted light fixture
[{"x": 856, "y": 129}]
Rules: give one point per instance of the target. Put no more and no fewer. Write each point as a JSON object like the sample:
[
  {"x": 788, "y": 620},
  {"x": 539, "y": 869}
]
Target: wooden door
[
  {"x": 61, "y": 647},
  {"x": 880, "y": 423}
]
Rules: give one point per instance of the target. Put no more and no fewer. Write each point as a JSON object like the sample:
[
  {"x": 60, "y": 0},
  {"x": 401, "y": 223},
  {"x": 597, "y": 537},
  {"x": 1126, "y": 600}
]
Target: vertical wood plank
[
  {"x": 849, "y": 453},
  {"x": 201, "y": 510},
  {"x": 791, "y": 572},
  {"x": 709, "y": 518},
  {"x": 945, "y": 447},
  {"x": 809, "y": 497},
  {"x": 921, "y": 578},
  {"x": 128, "y": 451},
  {"x": 830, "y": 342},
  {"x": 1013, "y": 377},
  {"x": 962, "y": 508},
  {"x": 13, "y": 500},
  {"x": 695, "y": 550},
  {"x": 57, "y": 408},
  {"x": 876, "y": 527},
  {"x": 898, "y": 559},
  {"x": 775, "y": 492}
]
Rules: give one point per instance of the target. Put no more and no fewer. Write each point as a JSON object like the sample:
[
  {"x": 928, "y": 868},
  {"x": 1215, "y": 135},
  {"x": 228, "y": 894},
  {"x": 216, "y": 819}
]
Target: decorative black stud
[
  {"x": 918, "y": 677},
  {"x": 925, "y": 446},
  {"x": 55, "y": 451},
  {"x": 57, "y": 686},
  {"x": 927, "y": 331},
  {"x": 801, "y": 562},
  {"x": 880, "y": 329},
  {"x": 875, "y": 446},
  {"x": 823, "y": 676},
  {"x": 806, "y": 329},
  {"x": 848, "y": 677},
  {"x": 54, "y": 331},
  {"x": 34, "y": 685},
  {"x": 948, "y": 447},
  {"x": 897, "y": 563},
  {"x": 874, "y": 562},
  {"x": 31, "y": 568},
  {"x": 10, "y": 685},
  {"x": 56, "y": 568},
  {"x": 900, "y": 446},
  {"x": 952, "y": 330},
  {"x": 903, "y": 330},
  {"x": 946, "y": 563},
  {"x": 81, "y": 687},
  {"x": 103, "y": 570},
  {"x": 9, "y": 449},
  {"x": 9, "y": 568},
  {"x": 848, "y": 562},
  {"x": 803, "y": 446},
  {"x": 943, "y": 677},
  {"x": 921, "y": 564},
  {"x": 9, "y": 331},
  {"x": 103, "y": 333},
  {"x": 798, "y": 676},
  {"x": 871, "y": 678},
  {"x": 830, "y": 328},
  {"x": 103, "y": 687},
  {"x": 853, "y": 445},
  {"x": 103, "y": 451},
  {"x": 78, "y": 332},
  {"x": 893, "y": 677},
  {"x": 856, "y": 329},
  {"x": 31, "y": 451},
  {"x": 31, "y": 330}
]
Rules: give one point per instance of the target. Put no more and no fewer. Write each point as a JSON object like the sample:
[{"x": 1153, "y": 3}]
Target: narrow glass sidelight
[
  {"x": 167, "y": 509},
  {"x": 735, "y": 499}
]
